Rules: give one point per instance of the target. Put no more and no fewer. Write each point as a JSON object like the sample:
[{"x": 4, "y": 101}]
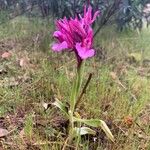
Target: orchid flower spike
[{"x": 76, "y": 34}]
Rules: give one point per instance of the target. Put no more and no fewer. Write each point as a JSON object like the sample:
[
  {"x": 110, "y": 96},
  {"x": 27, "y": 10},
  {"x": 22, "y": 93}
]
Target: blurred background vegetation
[{"x": 123, "y": 13}]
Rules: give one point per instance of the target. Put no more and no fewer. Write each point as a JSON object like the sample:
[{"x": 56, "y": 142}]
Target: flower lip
[
  {"x": 59, "y": 46},
  {"x": 83, "y": 52}
]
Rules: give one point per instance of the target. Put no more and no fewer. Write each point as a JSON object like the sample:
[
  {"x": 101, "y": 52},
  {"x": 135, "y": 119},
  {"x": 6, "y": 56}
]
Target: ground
[{"x": 32, "y": 77}]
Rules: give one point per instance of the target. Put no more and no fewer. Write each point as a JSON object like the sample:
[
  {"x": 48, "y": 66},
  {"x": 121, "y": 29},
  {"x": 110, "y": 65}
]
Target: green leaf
[
  {"x": 96, "y": 123},
  {"x": 84, "y": 131},
  {"x": 61, "y": 106},
  {"x": 136, "y": 56},
  {"x": 89, "y": 122}
]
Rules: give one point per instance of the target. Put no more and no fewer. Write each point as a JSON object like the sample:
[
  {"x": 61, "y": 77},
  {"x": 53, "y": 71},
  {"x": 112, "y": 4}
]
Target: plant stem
[
  {"x": 84, "y": 90},
  {"x": 76, "y": 88},
  {"x": 71, "y": 128},
  {"x": 73, "y": 99}
]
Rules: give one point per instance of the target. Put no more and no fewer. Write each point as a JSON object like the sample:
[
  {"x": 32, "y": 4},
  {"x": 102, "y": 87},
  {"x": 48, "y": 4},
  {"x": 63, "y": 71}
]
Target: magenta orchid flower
[{"x": 76, "y": 34}]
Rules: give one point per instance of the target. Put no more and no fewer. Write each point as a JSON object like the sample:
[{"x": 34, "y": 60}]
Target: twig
[
  {"x": 65, "y": 144},
  {"x": 125, "y": 88},
  {"x": 84, "y": 89},
  {"x": 110, "y": 11},
  {"x": 141, "y": 128}
]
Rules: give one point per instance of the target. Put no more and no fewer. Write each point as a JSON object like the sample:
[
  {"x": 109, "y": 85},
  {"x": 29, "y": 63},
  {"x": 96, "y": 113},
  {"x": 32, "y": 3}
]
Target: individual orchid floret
[{"x": 88, "y": 19}]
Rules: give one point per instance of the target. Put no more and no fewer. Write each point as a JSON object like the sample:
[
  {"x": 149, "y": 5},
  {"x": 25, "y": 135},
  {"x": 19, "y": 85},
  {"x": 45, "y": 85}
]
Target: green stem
[
  {"x": 83, "y": 90},
  {"x": 71, "y": 127},
  {"x": 73, "y": 99},
  {"x": 76, "y": 88}
]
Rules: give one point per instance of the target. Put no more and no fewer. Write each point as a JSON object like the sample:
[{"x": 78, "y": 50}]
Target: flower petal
[
  {"x": 83, "y": 52},
  {"x": 88, "y": 19},
  {"x": 59, "y": 46},
  {"x": 96, "y": 14},
  {"x": 57, "y": 34}
]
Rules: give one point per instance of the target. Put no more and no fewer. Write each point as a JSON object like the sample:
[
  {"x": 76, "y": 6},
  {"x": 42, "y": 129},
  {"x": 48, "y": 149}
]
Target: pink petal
[
  {"x": 83, "y": 52},
  {"x": 96, "y": 14},
  {"x": 89, "y": 13},
  {"x": 84, "y": 11},
  {"x": 88, "y": 20},
  {"x": 77, "y": 28},
  {"x": 59, "y": 46},
  {"x": 57, "y": 34},
  {"x": 6, "y": 55}
]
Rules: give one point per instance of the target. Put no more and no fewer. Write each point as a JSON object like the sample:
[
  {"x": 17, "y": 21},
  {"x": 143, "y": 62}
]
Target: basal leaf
[
  {"x": 107, "y": 130},
  {"x": 90, "y": 122},
  {"x": 96, "y": 123},
  {"x": 61, "y": 106},
  {"x": 84, "y": 131}
]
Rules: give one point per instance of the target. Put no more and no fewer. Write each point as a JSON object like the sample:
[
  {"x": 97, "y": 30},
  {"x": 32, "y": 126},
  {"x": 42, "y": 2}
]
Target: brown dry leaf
[
  {"x": 24, "y": 62},
  {"x": 46, "y": 105},
  {"x": 128, "y": 120},
  {"x": 144, "y": 116},
  {"x": 3, "y": 71},
  {"x": 13, "y": 82},
  {"x": 9, "y": 82},
  {"x": 141, "y": 135},
  {"x": 71, "y": 75},
  {"x": 145, "y": 119},
  {"x": 24, "y": 78},
  {"x": 24, "y": 138},
  {"x": 113, "y": 75},
  {"x": 3, "y": 132},
  {"x": 6, "y": 55},
  {"x": 22, "y": 134}
]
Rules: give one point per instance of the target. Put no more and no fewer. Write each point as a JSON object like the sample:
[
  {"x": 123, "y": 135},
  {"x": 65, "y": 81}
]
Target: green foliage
[
  {"x": 131, "y": 14},
  {"x": 4, "y": 16},
  {"x": 96, "y": 123},
  {"x": 28, "y": 128},
  {"x": 84, "y": 131},
  {"x": 62, "y": 107},
  {"x": 73, "y": 105},
  {"x": 125, "y": 13}
]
